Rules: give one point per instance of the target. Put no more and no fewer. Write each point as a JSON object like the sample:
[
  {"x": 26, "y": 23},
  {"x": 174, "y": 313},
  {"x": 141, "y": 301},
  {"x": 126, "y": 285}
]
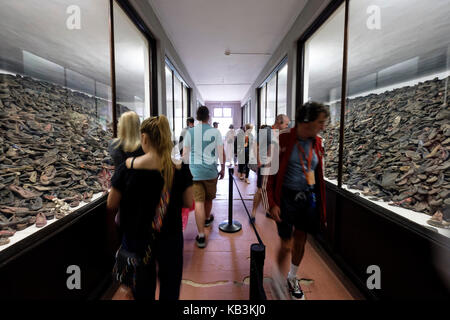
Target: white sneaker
[
  {"x": 278, "y": 288},
  {"x": 294, "y": 289}
]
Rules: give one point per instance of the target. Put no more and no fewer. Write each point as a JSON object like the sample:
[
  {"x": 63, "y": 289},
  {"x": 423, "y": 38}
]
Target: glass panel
[
  {"x": 282, "y": 90},
  {"x": 55, "y": 105},
  {"x": 322, "y": 80},
  {"x": 249, "y": 106},
  {"x": 227, "y": 112},
  {"x": 271, "y": 96},
  {"x": 397, "y": 124},
  {"x": 262, "y": 107},
  {"x": 178, "y": 107},
  {"x": 132, "y": 68},
  {"x": 185, "y": 104},
  {"x": 217, "y": 112},
  {"x": 169, "y": 97}
]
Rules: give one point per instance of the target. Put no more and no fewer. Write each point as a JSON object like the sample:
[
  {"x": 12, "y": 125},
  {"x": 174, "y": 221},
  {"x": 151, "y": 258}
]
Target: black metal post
[
  {"x": 229, "y": 225},
  {"x": 257, "y": 256}
]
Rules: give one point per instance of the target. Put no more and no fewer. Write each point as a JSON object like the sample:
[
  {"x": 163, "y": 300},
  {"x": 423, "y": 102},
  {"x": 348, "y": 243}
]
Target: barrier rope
[{"x": 248, "y": 214}]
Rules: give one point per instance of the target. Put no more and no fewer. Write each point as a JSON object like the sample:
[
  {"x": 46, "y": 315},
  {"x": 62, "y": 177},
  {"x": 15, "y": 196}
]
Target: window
[
  {"x": 56, "y": 97},
  {"x": 323, "y": 55},
  {"x": 273, "y": 95},
  {"x": 282, "y": 90},
  {"x": 224, "y": 116},
  {"x": 396, "y": 103},
  {"x": 132, "y": 66},
  {"x": 246, "y": 113},
  {"x": 177, "y": 100}
]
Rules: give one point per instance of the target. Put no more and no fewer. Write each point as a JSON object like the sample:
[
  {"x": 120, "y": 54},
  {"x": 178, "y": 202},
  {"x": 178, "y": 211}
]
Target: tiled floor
[{"x": 221, "y": 270}]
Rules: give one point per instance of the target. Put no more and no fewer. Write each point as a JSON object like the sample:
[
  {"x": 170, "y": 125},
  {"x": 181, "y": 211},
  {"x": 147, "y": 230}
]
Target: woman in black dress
[{"x": 150, "y": 191}]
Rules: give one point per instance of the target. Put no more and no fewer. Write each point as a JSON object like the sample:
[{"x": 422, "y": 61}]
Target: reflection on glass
[
  {"x": 271, "y": 100},
  {"x": 132, "y": 68},
  {"x": 282, "y": 90},
  {"x": 262, "y": 107},
  {"x": 185, "y": 104},
  {"x": 178, "y": 107},
  {"x": 397, "y": 124},
  {"x": 55, "y": 102},
  {"x": 169, "y": 97},
  {"x": 323, "y": 54},
  {"x": 249, "y": 108}
]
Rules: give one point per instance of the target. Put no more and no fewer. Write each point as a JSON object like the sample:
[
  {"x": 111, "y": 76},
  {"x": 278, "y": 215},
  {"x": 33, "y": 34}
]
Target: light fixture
[{"x": 228, "y": 53}]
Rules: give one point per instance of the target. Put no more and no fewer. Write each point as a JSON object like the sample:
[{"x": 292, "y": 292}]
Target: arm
[
  {"x": 188, "y": 197},
  {"x": 113, "y": 202},
  {"x": 112, "y": 207},
  {"x": 185, "y": 154},
  {"x": 222, "y": 161}
]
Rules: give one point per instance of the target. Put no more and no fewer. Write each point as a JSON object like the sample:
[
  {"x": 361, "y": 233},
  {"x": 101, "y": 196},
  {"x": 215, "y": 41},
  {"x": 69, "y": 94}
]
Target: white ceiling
[{"x": 201, "y": 31}]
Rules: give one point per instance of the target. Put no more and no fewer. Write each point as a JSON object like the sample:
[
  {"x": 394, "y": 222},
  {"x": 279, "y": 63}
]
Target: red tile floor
[{"x": 221, "y": 270}]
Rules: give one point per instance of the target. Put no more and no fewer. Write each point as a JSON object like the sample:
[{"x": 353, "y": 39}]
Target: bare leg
[
  {"x": 208, "y": 207},
  {"x": 256, "y": 201},
  {"x": 298, "y": 248},
  {"x": 283, "y": 252},
  {"x": 200, "y": 216}
]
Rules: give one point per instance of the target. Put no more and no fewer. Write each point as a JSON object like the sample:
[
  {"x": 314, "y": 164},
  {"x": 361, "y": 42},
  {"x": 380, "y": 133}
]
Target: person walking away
[
  {"x": 150, "y": 192},
  {"x": 229, "y": 142},
  {"x": 203, "y": 144},
  {"x": 263, "y": 153},
  {"x": 189, "y": 124},
  {"x": 296, "y": 193}
]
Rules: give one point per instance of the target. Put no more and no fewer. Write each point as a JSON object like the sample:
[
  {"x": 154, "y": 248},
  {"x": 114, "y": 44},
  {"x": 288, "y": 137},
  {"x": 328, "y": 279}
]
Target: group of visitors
[{"x": 149, "y": 189}]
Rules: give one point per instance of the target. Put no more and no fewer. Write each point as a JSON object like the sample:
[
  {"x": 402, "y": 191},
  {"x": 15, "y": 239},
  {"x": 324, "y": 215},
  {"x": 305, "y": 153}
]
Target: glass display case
[
  {"x": 397, "y": 119},
  {"x": 56, "y": 107},
  {"x": 177, "y": 100},
  {"x": 273, "y": 94}
]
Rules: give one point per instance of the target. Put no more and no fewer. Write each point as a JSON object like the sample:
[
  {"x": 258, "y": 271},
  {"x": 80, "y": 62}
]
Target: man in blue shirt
[{"x": 202, "y": 145}]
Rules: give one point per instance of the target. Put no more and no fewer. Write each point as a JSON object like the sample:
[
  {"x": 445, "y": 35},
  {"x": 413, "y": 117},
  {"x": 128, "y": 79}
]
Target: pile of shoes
[
  {"x": 52, "y": 145},
  {"x": 397, "y": 147}
]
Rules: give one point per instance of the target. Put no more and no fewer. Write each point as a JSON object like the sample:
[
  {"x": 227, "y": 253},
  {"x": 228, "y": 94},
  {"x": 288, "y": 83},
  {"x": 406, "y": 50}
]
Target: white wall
[
  {"x": 287, "y": 47},
  {"x": 165, "y": 48}
]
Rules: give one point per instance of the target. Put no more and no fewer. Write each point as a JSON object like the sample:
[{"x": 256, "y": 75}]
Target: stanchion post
[
  {"x": 230, "y": 225},
  {"x": 257, "y": 256}
]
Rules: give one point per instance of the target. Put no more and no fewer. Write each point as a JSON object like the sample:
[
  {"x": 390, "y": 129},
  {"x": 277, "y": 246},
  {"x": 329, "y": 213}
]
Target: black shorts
[{"x": 296, "y": 212}]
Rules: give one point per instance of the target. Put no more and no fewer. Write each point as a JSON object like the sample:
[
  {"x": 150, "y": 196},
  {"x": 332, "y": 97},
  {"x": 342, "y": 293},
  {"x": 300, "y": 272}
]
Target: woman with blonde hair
[
  {"x": 128, "y": 142},
  {"x": 150, "y": 191}
]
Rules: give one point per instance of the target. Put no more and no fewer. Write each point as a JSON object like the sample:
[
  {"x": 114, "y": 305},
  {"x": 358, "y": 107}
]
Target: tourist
[
  {"x": 263, "y": 153},
  {"x": 189, "y": 124},
  {"x": 202, "y": 145},
  {"x": 229, "y": 142},
  {"x": 153, "y": 238},
  {"x": 296, "y": 192},
  {"x": 128, "y": 142}
]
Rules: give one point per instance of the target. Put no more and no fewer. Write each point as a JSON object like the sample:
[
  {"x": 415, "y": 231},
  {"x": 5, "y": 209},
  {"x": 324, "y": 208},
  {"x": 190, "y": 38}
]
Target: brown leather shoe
[{"x": 41, "y": 220}]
